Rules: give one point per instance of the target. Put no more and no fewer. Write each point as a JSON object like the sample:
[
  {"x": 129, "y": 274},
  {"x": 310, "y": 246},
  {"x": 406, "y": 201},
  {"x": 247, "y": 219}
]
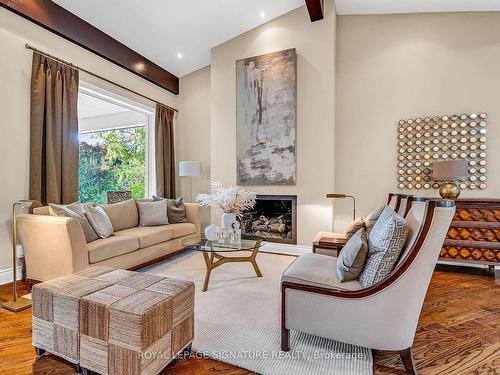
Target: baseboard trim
[
  {"x": 278, "y": 248},
  {"x": 6, "y": 275}
]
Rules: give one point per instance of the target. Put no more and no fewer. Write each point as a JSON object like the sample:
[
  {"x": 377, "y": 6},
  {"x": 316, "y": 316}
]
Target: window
[{"x": 113, "y": 137}]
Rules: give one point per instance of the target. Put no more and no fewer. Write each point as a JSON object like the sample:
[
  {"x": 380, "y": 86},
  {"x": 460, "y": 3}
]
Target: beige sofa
[{"x": 56, "y": 246}]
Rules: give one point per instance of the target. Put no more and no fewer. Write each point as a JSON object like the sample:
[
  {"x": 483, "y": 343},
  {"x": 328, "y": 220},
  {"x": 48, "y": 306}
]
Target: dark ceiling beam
[
  {"x": 58, "y": 20},
  {"x": 315, "y": 9}
]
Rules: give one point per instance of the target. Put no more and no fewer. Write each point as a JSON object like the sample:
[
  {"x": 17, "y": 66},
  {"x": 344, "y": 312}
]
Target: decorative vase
[
  {"x": 211, "y": 232},
  {"x": 228, "y": 219}
]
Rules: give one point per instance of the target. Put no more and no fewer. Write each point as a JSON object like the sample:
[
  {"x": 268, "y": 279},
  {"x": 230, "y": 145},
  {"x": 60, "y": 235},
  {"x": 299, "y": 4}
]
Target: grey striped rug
[{"x": 237, "y": 321}]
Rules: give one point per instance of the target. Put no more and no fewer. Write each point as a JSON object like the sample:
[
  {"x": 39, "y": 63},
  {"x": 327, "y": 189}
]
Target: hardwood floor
[{"x": 458, "y": 333}]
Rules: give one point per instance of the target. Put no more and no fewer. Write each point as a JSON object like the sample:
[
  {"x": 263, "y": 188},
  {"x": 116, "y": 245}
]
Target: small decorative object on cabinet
[
  {"x": 449, "y": 172},
  {"x": 474, "y": 233}
]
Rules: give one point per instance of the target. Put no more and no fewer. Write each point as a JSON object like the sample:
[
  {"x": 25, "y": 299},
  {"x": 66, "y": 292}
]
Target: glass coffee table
[{"x": 215, "y": 252}]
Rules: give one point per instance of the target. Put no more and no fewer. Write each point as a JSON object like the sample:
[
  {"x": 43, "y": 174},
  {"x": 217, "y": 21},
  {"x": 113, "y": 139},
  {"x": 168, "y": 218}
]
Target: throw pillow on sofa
[
  {"x": 176, "y": 210},
  {"x": 385, "y": 242},
  {"x": 77, "y": 212},
  {"x": 152, "y": 213},
  {"x": 123, "y": 215},
  {"x": 353, "y": 227},
  {"x": 351, "y": 259},
  {"x": 100, "y": 221}
]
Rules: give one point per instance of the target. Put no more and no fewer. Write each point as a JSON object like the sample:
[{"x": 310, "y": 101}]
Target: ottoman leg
[
  {"x": 187, "y": 350},
  {"x": 78, "y": 368},
  {"x": 39, "y": 352}
]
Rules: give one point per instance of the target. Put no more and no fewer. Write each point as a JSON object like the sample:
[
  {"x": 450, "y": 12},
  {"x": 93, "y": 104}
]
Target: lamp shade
[
  {"x": 190, "y": 168},
  {"x": 449, "y": 170}
]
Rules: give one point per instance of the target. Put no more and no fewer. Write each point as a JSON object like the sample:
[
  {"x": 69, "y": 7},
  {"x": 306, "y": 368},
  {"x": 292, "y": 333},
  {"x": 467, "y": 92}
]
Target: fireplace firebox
[{"x": 273, "y": 217}]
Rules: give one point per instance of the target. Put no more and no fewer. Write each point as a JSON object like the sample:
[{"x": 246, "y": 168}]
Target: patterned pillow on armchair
[{"x": 385, "y": 242}]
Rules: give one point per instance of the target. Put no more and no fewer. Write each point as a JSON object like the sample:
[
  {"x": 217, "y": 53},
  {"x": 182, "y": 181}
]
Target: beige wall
[
  {"x": 315, "y": 46},
  {"x": 193, "y": 132},
  {"x": 15, "y": 73},
  {"x": 392, "y": 67}
]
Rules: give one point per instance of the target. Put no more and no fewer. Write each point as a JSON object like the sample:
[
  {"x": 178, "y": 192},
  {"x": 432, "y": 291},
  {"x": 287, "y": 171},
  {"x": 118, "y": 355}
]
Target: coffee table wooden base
[{"x": 214, "y": 260}]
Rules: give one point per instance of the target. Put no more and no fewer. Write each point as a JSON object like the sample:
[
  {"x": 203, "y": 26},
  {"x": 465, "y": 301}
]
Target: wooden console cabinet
[{"x": 474, "y": 234}]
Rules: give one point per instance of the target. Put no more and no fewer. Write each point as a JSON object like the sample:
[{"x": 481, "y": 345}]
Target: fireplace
[{"x": 273, "y": 217}]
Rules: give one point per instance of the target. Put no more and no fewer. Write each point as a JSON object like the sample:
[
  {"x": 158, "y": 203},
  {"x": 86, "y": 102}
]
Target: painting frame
[{"x": 266, "y": 119}]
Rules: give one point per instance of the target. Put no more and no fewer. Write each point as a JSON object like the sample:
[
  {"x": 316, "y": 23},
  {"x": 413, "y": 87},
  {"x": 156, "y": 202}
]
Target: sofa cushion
[
  {"x": 106, "y": 248},
  {"x": 77, "y": 212},
  {"x": 152, "y": 213},
  {"x": 100, "y": 221},
  {"x": 385, "y": 242},
  {"x": 176, "y": 210},
  {"x": 148, "y": 236},
  {"x": 317, "y": 270},
  {"x": 123, "y": 215},
  {"x": 182, "y": 229},
  {"x": 351, "y": 259}
]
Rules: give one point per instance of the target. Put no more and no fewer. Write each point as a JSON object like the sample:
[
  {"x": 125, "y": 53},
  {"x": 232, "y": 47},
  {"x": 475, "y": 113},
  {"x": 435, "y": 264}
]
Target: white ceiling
[
  {"x": 160, "y": 29},
  {"x": 414, "y": 6},
  {"x": 88, "y": 106}
]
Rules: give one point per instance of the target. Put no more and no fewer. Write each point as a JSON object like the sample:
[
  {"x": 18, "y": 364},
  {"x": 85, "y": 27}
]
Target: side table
[{"x": 329, "y": 246}]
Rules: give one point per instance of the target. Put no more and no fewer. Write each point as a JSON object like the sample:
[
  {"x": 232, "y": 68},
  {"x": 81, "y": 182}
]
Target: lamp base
[
  {"x": 16, "y": 306},
  {"x": 449, "y": 190}
]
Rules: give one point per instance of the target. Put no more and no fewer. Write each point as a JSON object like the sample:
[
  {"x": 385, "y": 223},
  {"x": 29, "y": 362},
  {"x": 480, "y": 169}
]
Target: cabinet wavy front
[{"x": 474, "y": 234}]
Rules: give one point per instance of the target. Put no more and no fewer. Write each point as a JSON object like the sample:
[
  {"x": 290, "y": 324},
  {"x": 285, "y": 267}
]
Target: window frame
[{"x": 100, "y": 93}]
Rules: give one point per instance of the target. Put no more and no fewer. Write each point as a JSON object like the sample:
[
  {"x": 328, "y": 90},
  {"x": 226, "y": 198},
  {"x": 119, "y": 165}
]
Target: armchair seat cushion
[
  {"x": 317, "y": 270},
  {"x": 113, "y": 246},
  {"x": 148, "y": 236}
]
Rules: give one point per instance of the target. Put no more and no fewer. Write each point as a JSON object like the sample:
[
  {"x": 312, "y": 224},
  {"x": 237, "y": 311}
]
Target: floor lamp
[
  {"x": 21, "y": 303},
  {"x": 343, "y": 196},
  {"x": 190, "y": 168}
]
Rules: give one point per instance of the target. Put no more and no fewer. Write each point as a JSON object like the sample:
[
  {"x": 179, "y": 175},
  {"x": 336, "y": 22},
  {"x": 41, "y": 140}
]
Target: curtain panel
[
  {"x": 164, "y": 150},
  {"x": 53, "y": 131}
]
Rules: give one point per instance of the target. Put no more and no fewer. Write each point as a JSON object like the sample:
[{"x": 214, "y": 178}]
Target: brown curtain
[
  {"x": 164, "y": 149},
  {"x": 53, "y": 131}
]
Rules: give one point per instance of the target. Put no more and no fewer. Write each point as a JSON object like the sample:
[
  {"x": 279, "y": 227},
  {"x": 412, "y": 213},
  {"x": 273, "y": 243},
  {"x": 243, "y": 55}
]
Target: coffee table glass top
[{"x": 247, "y": 243}]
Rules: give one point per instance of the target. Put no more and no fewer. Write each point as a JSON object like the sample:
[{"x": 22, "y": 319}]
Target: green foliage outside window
[{"x": 112, "y": 160}]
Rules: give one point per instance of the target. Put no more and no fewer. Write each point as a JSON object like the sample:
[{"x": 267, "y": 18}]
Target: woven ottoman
[
  {"x": 137, "y": 326},
  {"x": 56, "y": 312}
]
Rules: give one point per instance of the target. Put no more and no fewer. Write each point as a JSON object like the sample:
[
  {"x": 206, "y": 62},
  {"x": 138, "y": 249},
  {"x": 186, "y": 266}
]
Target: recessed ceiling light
[
  {"x": 179, "y": 55},
  {"x": 262, "y": 15}
]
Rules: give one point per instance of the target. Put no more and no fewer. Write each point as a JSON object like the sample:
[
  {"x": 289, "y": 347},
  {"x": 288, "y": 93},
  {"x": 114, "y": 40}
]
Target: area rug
[{"x": 237, "y": 320}]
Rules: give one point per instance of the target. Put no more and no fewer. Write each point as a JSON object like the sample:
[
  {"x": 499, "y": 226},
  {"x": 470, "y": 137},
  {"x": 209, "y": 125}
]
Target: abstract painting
[{"x": 266, "y": 97}]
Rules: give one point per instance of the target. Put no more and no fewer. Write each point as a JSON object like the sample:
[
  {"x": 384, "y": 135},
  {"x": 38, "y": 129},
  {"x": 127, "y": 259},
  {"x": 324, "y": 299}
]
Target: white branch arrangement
[{"x": 227, "y": 199}]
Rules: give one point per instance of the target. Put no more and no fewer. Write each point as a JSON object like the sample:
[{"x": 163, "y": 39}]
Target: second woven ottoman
[{"x": 126, "y": 329}]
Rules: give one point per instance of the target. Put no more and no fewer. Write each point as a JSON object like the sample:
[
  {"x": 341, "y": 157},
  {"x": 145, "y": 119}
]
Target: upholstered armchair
[{"x": 383, "y": 316}]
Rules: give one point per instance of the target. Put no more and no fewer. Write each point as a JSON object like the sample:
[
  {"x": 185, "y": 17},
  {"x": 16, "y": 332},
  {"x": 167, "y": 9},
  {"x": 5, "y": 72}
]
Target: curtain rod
[{"x": 27, "y": 46}]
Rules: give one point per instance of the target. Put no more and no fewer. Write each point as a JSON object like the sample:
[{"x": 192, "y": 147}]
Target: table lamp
[
  {"x": 448, "y": 172},
  {"x": 17, "y": 304},
  {"x": 190, "y": 168}
]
